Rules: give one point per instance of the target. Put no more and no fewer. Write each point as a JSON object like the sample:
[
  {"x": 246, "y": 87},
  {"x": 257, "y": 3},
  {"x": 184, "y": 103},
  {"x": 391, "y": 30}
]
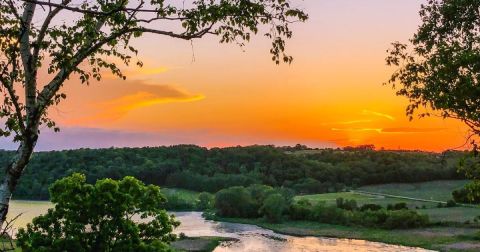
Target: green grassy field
[
  {"x": 452, "y": 214},
  {"x": 435, "y": 190},
  {"x": 330, "y": 198}
]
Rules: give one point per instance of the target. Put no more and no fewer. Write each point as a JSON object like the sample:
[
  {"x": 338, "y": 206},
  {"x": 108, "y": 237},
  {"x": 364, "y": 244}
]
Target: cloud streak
[
  {"x": 374, "y": 113},
  {"x": 119, "y": 106},
  {"x": 402, "y": 130}
]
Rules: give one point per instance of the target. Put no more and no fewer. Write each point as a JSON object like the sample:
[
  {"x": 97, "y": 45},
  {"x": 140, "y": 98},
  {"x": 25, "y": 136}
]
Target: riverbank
[
  {"x": 199, "y": 244},
  {"x": 434, "y": 238}
]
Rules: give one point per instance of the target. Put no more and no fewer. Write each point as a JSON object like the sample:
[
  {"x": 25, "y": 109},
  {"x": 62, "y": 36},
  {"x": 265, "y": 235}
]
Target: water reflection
[
  {"x": 255, "y": 239},
  {"x": 250, "y": 238}
]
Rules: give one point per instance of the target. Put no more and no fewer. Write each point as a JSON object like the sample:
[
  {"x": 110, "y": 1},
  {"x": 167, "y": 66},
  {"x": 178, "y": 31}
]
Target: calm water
[{"x": 250, "y": 238}]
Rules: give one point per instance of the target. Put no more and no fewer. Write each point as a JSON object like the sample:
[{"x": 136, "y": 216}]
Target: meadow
[
  {"x": 424, "y": 197},
  {"x": 440, "y": 190}
]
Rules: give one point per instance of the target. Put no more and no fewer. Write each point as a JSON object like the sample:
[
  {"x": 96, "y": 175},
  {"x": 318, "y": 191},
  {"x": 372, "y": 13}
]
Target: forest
[{"x": 201, "y": 169}]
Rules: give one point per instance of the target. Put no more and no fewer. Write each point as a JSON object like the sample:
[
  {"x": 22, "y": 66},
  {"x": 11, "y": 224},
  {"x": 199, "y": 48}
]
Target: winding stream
[{"x": 250, "y": 238}]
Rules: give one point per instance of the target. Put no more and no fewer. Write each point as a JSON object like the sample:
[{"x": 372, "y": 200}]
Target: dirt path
[{"x": 395, "y": 196}]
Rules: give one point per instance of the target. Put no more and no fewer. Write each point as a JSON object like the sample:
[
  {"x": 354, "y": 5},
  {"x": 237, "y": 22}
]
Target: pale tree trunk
[
  {"x": 12, "y": 175},
  {"x": 15, "y": 168}
]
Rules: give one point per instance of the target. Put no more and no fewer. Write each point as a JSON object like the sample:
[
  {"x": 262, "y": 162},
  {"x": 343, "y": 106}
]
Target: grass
[
  {"x": 331, "y": 197},
  {"x": 199, "y": 244},
  {"x": 440, "y": 190},
  {"x": 437, "y": 238},
  {"x": 433, "y": 190},
  {"x": 451, "y": 214}
]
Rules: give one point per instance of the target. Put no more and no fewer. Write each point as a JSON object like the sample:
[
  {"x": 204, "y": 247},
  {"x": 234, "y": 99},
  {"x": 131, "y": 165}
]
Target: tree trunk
[{"x": 12, "y": 175}]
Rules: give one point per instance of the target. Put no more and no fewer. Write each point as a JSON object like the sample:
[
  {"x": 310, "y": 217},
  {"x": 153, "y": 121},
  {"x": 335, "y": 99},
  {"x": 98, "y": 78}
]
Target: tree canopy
[
  {"x": 201, "y": 169},
  {"x": 440, "y": 68},
  {"x": 110, "y": 215}
]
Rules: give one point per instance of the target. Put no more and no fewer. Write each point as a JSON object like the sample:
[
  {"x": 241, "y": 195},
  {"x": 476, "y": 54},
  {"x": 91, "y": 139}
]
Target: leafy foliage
[
  {"x": 110, "y": 215},
  {"x": 371, "y": 216},
  {"x": 442, "y": 69},
  {"x": 253, "y": 202},
  {"x": 210, "y": 170},
  {"x": 273, "y": 208},
  {"x": 205, "y": 201}
]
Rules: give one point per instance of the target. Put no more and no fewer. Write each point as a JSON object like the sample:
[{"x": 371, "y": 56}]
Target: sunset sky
[{"x": 214, "y": 94}]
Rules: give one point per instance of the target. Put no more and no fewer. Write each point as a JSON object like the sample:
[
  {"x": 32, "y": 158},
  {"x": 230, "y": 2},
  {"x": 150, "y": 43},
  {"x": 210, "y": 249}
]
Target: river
[{"x": 250, "y": 238}]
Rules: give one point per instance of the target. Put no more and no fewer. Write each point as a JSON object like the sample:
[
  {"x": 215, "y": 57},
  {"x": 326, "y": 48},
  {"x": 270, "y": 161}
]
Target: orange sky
[{"x": 220, "y": 95}]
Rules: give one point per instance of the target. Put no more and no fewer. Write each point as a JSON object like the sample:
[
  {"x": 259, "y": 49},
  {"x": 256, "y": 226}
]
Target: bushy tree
[
  {"x": 205, "y": 201},
  {"x": 109, "y": 215},
  {"x": 234, "y": 202},
  {"x": 251, "y": 202},
  {"x": 273, "y": 208}
]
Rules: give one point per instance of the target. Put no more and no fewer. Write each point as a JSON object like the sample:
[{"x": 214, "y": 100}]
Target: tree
[
  {"x": 274, "y": 207},
  {"x": 96, "y": 35},
  {"x": 205, "y": 201},
  {"x": 110, "y": 215},
  {"x": 235, "y": 202},
  {"x": 440, "y": 71}
]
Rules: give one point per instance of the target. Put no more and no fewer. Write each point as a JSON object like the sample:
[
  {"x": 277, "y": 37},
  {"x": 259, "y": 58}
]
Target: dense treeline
[
  {"x": 277, "y": 204},
  {"x": 201, "y": 169}
]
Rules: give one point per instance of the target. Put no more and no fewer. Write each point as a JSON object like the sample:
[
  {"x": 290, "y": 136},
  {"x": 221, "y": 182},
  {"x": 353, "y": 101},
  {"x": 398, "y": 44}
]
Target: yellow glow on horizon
[{"x": 331, "y": 95}]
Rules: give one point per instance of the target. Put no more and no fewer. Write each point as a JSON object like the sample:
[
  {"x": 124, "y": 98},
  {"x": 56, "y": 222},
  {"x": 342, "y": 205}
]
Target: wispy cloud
[
  {"x": 403, "y": 130},
  {"x": 118, "y": 107},
  {"x": 411, "y": 130},
  {"x": 379, "y": 130},
  {"x": 138, "y": 73},
  {"x": 374, "y": 113},
  {"x": 148, "y": 71}
]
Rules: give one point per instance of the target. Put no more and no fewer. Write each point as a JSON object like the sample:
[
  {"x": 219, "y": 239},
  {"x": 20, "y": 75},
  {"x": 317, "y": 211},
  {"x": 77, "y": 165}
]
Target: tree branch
[
  {"x": 85, "y": 11},
  {"x": 44, "y": 28}
]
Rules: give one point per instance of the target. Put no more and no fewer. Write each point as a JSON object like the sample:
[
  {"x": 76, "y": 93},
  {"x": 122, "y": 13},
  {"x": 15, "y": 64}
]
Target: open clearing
[
  {"x": 418, "y": 194},
  {"x": 330, "y": 198},
  {"x": 440, "y": 190}
]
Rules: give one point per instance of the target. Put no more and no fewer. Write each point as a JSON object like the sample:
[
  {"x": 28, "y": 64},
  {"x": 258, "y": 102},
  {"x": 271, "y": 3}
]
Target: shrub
[
  {"x": 259, "y": 193},
  {"x": 97, "y": 217},
  {"x": 329, "y": 214},
  {"x": 301, "y": 210},
  {"x": 370, "y": 218},
  {"x": 398, "y": 206},
  {"x": 175, "y": 202},
  {"x": 247, "y": 202},
  {"x": 273, "y": 207},
  {"x": 350, "y": 205},
  {"x": 370, "y": 207},
  {"x": 461, "y": 195},
  {"x": 235, "y": 202},
  {"x": 451, "y": 203},
  {"x": 403, "y": 219},
  {"x": 205, "y": 201}
]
